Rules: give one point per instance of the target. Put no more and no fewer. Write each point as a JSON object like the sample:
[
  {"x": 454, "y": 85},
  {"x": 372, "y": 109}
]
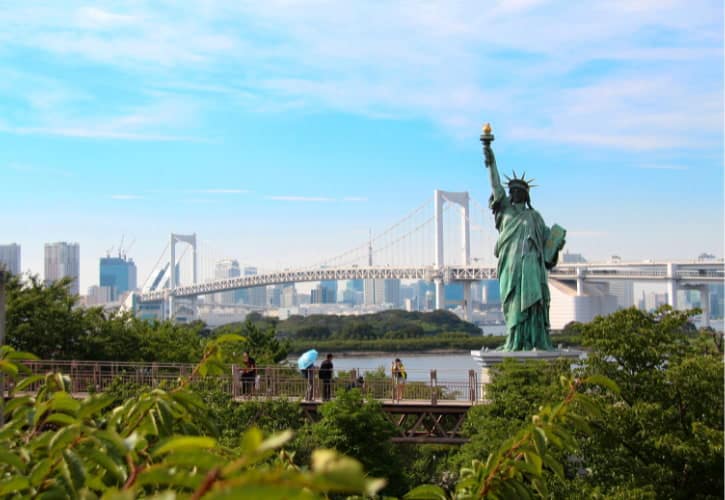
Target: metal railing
[{"x": 268, "y": 382}]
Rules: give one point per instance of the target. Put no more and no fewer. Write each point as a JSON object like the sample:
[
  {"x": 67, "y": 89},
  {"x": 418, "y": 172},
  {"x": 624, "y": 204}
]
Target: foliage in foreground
[{"x": 54, "y": 446}]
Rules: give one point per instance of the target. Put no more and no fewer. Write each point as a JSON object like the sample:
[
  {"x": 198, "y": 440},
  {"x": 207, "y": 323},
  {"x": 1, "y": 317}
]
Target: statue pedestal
[{"x": 487, "y": 359}]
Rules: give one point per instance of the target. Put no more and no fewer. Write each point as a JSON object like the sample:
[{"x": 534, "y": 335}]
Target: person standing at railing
[
  {"x": 399, "y": 377},
  {"x": 249, "y": 373},
  {"x": 326, "y": 374}
]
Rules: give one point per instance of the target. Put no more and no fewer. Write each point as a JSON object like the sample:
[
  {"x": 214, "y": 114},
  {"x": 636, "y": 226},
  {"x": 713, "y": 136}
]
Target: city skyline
[{"x": 276, "y": 132}]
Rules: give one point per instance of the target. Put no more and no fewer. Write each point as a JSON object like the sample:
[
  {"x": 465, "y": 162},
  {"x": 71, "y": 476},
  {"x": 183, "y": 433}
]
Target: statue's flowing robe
[{"x": 522, "y": 273}]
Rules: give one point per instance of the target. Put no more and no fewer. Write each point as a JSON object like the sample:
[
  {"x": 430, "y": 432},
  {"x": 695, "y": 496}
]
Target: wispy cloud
[
  {"x": 355, "y": 198},
  {"x": 662, "y": 167},
  {"x": 222, "y": 191},
  {"x": 554, "y": 71},
  {"x": 310, "y": 199},
  {"x": 126, "y": 197},
  {"x": 33, "y": 169}
]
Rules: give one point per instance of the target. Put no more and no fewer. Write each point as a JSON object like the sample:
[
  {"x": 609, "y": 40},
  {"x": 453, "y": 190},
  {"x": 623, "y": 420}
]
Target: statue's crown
[{"x": 519, "y": 182}]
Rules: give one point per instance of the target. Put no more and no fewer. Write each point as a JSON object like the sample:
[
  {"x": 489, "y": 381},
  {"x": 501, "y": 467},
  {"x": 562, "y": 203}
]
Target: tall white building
[
  {"x": 624, "y": 292},
  {"x": 382, "y": 291},
  {"x": 227, "y": 268},
  {"x": 10, "y": 257},
  {"x": 62, "y": 260},
  {"x": 374, "y": 292},
  {"x": 256, "y": 296}
]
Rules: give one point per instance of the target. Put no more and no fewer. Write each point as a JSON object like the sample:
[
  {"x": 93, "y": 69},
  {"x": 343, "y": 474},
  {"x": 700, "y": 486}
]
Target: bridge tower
[
  {"x": 461, "y": 199},
  {"x": 191, "y": 240}
]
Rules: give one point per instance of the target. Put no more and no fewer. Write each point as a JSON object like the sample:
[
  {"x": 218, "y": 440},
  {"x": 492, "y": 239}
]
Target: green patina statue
[{"x": 525, "y": 249}]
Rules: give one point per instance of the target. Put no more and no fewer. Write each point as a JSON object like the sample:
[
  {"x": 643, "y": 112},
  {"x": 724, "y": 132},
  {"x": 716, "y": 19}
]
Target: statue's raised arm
[{"x": 497, "y": 191}]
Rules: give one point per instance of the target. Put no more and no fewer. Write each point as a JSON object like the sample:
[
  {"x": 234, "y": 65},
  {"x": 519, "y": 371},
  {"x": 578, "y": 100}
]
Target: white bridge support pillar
[
  {"x": 191, "y": 240},
  {"x": 461, "y": 199},
  {"x": 672, "y": 285},
  {"x": 438, "y": 223}
]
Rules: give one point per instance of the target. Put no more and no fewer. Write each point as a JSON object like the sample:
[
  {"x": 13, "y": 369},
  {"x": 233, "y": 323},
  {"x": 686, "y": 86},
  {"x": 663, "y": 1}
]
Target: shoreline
[{"x": 377, "y": 354}]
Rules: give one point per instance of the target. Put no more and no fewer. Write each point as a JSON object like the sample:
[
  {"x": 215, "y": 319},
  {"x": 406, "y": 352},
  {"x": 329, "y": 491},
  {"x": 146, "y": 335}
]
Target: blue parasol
[{"x": 307, "y": 359}]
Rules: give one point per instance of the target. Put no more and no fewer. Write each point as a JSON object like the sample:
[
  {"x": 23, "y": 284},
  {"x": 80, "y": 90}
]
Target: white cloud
[
  {"x": 662, "y": 167},
  {"x": 312, "y": 199},
  {"x": 223, "y": 191},
  {"x": 126, "y": 197},
  {"x": 522, "y": 64}
]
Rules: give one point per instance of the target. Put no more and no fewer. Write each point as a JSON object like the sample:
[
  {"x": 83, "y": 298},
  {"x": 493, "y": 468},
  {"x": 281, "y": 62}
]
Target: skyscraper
[
  {"x": 256, "y": 296},
  {"x": 329, "y": 292},
  {"x": 10, "y": 257},
  {"x": 119, "y": 274},
  {"x": 224, "y": 269},
  {"x": 62, "y": 260}
]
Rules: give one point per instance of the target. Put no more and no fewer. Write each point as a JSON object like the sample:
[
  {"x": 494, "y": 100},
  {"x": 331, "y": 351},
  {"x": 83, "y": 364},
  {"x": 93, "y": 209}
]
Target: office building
[
  {"x": 289, "y": 296},
  {"x": 274, "y": 295},
  {"x": 10, "y": 257},
  {"x": 329, "y": 292},
  {"x": 225, "y": 269},
  {"x": 99, "y": 295},
  {"x": 119, "y": 274},
  {"x": 391, "y": 293},
  {"x": 256, "y": 296},
  {"x": 571, "y": 258},
  {"x": 624, "y": 292},
  {"x": 382, "y": 291},
  {"x": 62, "y": 260}
]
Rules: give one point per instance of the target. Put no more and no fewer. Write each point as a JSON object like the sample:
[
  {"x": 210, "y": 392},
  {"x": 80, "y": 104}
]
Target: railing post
[
  {"x": 73, "y": 376},
  {"x": 97, "y": 376},
  {"x": 235, "y": 380},
  {"x": 472, "y": 385},
  {"x": 433, "y": 387},
  {"x": 154, "y": 374}
]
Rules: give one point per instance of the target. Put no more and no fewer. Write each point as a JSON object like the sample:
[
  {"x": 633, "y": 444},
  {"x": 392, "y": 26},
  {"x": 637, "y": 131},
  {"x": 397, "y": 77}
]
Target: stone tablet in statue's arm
[{"x": 554, "y": 243}]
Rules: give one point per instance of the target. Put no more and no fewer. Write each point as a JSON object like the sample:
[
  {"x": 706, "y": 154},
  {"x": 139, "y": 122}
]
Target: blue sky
[{"x": 282, "y": 131}]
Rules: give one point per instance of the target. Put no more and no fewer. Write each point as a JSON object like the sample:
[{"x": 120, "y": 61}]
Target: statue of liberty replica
[{"x": 526, "y": 248}]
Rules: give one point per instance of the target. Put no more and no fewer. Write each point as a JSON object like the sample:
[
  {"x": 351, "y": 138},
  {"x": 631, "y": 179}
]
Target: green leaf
[
  {"x": 588, "y": 405},
  {"x": 162, "y": 475},
  {"x": 63, "y": 438},
  {"x": 539, "y": 440},
  {"x": 602, "y": 381},
  {"x": 75, "y": 467},
  {"x": 113, "y": 441},
  {"x": 61, "y": 419},
  {"x": 7, "y": 457},
  {"x": 534, "y": 460},
  {"x": 107, "y": 464},
  {"x": 579, "y": 423},
  {"x": 251, "y": 441},
  {"x": 8, "y": 368},
  {"x": 275, "y": 441},
  {"x": 554, "y": 465},
  {"x": 93, "y": 404},
  {"x": 64, "y": 402},
  {"x": 14, "y": 484},
  {"x": 39, "y": 471},
  {"x": 27, "y": 382},
  {"x": 426, "y": 492},
  {"x": 184, "y": 443}
]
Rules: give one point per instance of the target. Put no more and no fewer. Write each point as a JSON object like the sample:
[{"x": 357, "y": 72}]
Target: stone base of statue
[{"x": 486, "y": 359}]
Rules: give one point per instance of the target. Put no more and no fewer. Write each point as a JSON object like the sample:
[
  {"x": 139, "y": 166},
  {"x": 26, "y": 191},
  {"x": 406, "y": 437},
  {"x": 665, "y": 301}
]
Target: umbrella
[{"x": 307, "y": 359}]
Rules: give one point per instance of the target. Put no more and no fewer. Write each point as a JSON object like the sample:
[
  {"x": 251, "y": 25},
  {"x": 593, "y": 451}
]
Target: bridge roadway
[
  {"x": 683, "y": 272},
  {"x": 431, "y": 411}
]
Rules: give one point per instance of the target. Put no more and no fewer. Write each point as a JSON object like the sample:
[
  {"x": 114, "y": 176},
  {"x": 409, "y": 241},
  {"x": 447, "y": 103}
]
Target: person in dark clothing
[
  {"x": 326, "y": 372},
  {"x": 249, "y": 373}
]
